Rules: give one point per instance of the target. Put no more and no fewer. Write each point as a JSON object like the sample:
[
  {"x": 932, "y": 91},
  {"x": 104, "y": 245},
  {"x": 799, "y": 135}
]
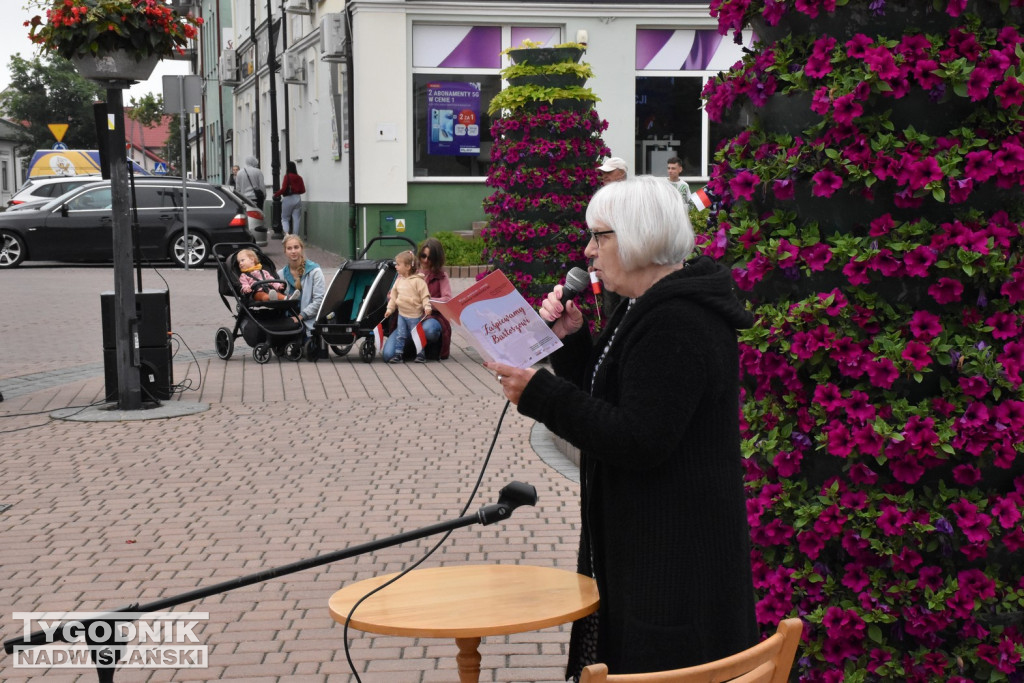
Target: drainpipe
[
  {"x": 350, "y": 114},
  {"x": 275, "y": 152},
  {"x": 287, "y": 110},
  {"x": 256, "y": 82}
]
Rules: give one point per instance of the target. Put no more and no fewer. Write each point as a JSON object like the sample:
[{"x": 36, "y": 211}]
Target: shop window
[
  {"x": 455, "y": 76},
  {"x": 672, "y": 67},
  {"x": 445, "y": 142},
  {"x": 669, "y": 123}
]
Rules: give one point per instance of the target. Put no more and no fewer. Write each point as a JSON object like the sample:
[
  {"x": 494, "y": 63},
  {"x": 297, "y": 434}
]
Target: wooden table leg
[{"x": 468, "y": 659}]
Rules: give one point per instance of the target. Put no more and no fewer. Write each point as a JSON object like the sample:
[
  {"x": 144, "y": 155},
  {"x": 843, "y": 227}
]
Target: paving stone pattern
[{"x": 292, "y": 460}]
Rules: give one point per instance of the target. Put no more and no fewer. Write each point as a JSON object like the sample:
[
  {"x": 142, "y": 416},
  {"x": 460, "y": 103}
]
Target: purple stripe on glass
[
  {"x": 547, "y": 35},
  {"x": 649, "y": 42},
  {"x": 480, "y": 49},
  {"x": 705, "y": 44}
]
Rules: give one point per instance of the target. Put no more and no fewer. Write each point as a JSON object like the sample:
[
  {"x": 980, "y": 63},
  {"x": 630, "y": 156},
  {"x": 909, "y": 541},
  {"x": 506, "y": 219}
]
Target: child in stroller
[
  {"x": 252, "y": 272},
  {"x": 269, "y": 327}
]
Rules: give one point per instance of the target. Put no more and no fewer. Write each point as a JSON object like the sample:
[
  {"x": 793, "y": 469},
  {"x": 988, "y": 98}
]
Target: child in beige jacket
[{"x": 411, "y": 298}]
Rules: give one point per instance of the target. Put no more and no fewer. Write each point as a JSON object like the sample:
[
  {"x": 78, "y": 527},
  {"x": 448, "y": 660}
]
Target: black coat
[{"x": 663, "y": 512}]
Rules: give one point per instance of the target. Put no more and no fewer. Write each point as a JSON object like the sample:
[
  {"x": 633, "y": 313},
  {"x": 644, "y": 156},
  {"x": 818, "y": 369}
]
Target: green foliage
[
  {"x": 516, "y": 97},
  {"x": 459, "y": 251},
  {"x": 147, "y": 110},
  {"x": 174, "y": 144},
  {"x": 560, "y": 69},
  {"x": 45, "y": 91}
]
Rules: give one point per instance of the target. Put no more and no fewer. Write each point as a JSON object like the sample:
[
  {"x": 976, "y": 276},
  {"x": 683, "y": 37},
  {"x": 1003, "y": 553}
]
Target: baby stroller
[
  {"x": 355, "y": 303},
  {"x": 266, "y": 326}
]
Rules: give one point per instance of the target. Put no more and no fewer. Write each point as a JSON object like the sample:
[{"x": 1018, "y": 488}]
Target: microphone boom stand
[{"x": 106, "y": 651}]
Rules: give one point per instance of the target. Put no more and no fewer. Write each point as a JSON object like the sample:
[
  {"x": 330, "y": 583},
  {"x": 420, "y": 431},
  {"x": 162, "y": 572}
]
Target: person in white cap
[{"x": 612, "y": 170}]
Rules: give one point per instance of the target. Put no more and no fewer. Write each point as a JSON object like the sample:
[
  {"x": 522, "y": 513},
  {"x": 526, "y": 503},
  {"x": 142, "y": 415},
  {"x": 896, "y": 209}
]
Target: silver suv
[{"x": 41, "y": 189}]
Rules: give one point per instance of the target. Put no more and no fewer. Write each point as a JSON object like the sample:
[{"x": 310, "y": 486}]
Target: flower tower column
[
  {"x": 873, "y": 216},
  {"x": 547, "y": 147}
]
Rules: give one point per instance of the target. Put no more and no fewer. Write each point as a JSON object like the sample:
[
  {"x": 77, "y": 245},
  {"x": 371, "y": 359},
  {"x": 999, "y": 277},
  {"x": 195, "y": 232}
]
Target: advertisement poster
[{"x": 453, "y": 118}]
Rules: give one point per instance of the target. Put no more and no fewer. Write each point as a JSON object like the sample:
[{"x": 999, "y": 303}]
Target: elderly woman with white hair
[{"x": 653, "y": 406}]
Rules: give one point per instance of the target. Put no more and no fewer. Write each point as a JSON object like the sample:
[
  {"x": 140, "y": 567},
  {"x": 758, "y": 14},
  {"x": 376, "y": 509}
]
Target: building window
[
  {"x": 5, "y": 171},
  {"x": 455, "y": 76},
  {"x": 672, "y": 67}
]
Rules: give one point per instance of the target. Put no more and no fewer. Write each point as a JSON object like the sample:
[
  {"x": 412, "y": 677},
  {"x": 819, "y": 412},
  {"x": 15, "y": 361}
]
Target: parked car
[
  {"x": 42, "y": 189},
  {"x": 77, "y": 226},
  {"x": 257, "y": 228}
]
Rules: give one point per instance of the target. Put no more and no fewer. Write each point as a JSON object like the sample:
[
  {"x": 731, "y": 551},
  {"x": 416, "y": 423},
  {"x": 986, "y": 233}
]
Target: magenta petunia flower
[
  {"x": 917, "y": 354},
  {"x": 784, "y": 189},
  {"x": 826, "y": 182},
  {"x": 925, "y": 326},
  {"x": 846, "y": 109},
  {"x": 1007, "y": 510},
  {"x": 1004, "y": 325},
  {"x": 946, "y": 291},
  {"x": 744, "y": 184},
  {"x": 979, "y": 83},
  {"x": 787, "y": 463},
  {"x": 882, "y": 373},
  {"x": 890, "y": 520},
  {"x": 1010, "y": 93},
  {"x": 956, "y": 7},
  {"x": 856, "y": 47},
  {"x": 966, "y": 475},
  {"x": 856, "y": 272},
  {"x": 810, "y": 544},
  {"x": 1009, "y": 158},
  {"x": 816, "y": 256},
  {"x": 839, "y": 442},
  {"x": 880, "y": 60}
]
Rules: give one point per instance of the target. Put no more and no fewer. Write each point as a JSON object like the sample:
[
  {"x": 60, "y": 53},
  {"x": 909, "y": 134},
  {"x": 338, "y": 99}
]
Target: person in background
[
  {"x": 674, "y": 167},
  {"x": 437, "y": 329},
  {"x": 292, "y": 189},
  {"x": 305, "y": 277},
  {"x": 613, "y": 169},
  {"x": 411, "y": 298},
  {"x": 249, "y": 182},
  {"x": 234, "y": 178},
  {"x": 653, "y": 406}
]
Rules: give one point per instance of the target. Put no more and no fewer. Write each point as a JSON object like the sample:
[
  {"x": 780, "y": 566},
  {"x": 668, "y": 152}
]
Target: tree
[
  {"x": 146, "y": 112},
  {"x": 173, "y": 148},
  {"x": 45, "y": 92}
]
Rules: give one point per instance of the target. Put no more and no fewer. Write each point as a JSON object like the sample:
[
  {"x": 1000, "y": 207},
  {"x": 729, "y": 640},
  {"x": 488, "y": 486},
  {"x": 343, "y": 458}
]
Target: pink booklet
[{"x": 497, "y": 321}]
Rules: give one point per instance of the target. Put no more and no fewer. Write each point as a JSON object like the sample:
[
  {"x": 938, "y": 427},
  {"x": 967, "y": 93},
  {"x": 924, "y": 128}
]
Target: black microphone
[{"x": 576, "y": 281}]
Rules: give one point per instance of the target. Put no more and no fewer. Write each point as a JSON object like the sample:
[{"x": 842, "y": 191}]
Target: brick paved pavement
[{"x": 292, "y": 460}]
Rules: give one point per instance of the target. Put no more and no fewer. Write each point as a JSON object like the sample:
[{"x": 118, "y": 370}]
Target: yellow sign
[
  {"x": 399, "y": 225},
  {"x": 58, "y": 130}
]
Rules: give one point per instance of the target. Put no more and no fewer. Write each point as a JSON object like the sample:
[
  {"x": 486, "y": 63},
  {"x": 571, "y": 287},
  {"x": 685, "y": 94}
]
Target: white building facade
[{"x": 374, "y": 163}]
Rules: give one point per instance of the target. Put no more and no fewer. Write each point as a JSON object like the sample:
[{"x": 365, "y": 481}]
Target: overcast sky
[{"x": 14, "y": 40}]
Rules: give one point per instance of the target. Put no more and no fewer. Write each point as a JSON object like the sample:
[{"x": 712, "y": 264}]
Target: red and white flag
[
  {"x": 419, "y": 338},
  {"x": 378, "y": 337},
  {"x": 700, "y": 199}
]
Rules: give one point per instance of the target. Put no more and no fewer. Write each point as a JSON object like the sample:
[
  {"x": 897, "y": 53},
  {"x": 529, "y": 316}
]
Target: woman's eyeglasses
[{"x": 596, "y": 235}]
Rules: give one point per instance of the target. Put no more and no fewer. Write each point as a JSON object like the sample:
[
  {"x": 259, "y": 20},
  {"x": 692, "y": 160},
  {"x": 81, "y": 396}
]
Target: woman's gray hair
[
  {"x": 252, "y": 161},
  {"x": 650, "y": 219}
]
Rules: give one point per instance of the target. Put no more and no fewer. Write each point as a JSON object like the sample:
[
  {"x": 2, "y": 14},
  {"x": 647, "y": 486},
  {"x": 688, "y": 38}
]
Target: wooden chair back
[{"x": 767, "y": 662}]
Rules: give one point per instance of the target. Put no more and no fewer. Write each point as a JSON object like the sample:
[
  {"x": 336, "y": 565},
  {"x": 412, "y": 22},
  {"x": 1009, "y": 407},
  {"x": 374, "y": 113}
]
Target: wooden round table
[{"x": 466, "y": 603}]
